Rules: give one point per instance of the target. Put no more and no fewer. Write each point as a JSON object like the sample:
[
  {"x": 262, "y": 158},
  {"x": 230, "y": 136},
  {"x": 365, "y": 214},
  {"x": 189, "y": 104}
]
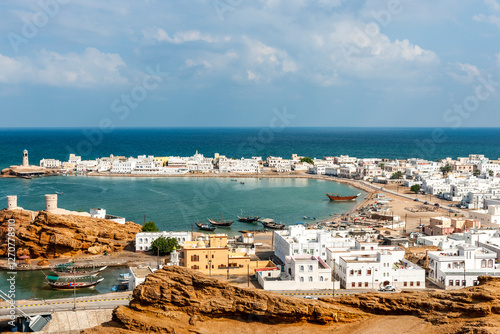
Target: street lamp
[{"x": 333, "y": 279}]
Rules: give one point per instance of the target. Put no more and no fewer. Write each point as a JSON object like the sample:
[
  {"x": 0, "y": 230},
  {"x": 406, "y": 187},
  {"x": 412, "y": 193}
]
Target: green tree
[
  {"x": 415, "y": 188},
  {"x": 308, "y": 160},
  {"x": 446, "y": 169},
  {"x": 491, "y": 173},
  {"x": 476, "y": 172},
  {"x": 397, "y": 175},
  {"x": 438, "y": 160},
  {"x": 150, "y": 227},
  {"x": 381, "y": 165},
  {"x": 164, "y": 245}
]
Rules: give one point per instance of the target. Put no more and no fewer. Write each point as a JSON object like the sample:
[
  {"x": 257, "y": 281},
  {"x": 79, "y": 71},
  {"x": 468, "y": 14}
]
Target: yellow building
[
  {"x": 215, "y": 257},
  {"x": 164, "y": 160}
]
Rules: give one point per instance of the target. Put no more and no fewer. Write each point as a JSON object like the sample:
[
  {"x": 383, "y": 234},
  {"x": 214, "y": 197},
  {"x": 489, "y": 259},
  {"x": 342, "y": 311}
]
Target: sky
[{"x": 242, "y": 63}]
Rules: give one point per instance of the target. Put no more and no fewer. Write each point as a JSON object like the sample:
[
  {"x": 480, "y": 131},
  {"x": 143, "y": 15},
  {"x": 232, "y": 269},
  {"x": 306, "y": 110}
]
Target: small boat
[
  {"x": 272, "y": 225},
  {"x": 248, "y": 219},
  {"x": 70, "y": 285},
  {"x": 59, "y": 193},
  {"x": 242, "y": 182},
  {"x": 204, "y": 227},
  {"x": 339, "y": 198},
  {"x": 224, "y": 223},
  {"x": 76, "y": 272},
  {"x": 221, "y": 222},
  {"x": 309, "y": 218},
  {"x": 234, "y": 180}
]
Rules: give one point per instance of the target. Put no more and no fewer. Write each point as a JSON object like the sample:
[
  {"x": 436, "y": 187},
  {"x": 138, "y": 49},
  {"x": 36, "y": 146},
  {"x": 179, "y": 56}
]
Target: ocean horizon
[{"x": 361, "y": 142}]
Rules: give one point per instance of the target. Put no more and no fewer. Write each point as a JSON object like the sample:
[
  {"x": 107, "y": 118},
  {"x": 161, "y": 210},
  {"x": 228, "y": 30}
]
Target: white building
[
  {"x": 50, "y": 163},
  {"x": 297, "y": 240},
  {"x": 301, "y": 272},
  {"x": 143, "y": 240},
  {"x": 101, "y": 213},
  {"x": 138, "y": 275},
  {"x": 492, "y": 215},
  {"x": 124, "y": 167},
  {"x": 452, "y": 269},
  {"x": 374, "y": 271}
]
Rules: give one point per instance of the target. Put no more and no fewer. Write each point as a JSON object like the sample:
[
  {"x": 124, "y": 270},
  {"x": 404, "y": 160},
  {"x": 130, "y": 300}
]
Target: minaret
[
  {"x": 26, "y": 162},
  {"x": 174, "y": 258}
]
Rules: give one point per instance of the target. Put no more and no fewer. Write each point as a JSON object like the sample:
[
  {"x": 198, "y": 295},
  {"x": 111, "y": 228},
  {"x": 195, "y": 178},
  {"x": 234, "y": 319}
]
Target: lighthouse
[{"x": 26, "y": 161}]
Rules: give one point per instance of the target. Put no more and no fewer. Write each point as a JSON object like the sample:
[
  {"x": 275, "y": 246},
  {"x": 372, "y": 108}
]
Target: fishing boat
[
  {"x": 221, "y": 222},
  {"x": 272, "y": 225},
  {"x": 54, "y": 283},
  {"x": 309, "y": 218},
  {"x": 242, "y": 182},
  {"x": 205, "y": 227},
  {"x": 76, "y": 272},
  {"x": 339, "y": 198},
  {"x": 247, "y": 219}
]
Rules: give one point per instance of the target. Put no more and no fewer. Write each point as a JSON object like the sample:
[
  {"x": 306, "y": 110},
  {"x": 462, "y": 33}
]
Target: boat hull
[
  {"x": 70, "y": 285},
  {"x": 248, "y": 219},
  {"x": 338, "y": 198},
  {"x": 220, "y": 222},
  {"x": 205, "y": 227}
]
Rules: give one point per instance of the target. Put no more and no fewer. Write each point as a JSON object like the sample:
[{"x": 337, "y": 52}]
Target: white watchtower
[{"x": 26, "y": 161}]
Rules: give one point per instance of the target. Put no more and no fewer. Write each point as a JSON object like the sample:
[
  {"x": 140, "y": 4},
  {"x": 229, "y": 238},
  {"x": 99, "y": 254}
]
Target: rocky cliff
[
  {"x": 46, "y": 235},
  {"x": 178, "y": 300}
]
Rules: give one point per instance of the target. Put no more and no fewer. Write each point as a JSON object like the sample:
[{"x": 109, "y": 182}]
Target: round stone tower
[
  {"x": 50, "y": 203},
  {"x": 26, "y": 161},
  {"x": 11, "y": 202}
]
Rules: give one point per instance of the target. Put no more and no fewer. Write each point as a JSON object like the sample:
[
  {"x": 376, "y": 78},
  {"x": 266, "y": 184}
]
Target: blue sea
[
  {"x": 175, "y": 203},
  {"x": 400, "y": 143}
]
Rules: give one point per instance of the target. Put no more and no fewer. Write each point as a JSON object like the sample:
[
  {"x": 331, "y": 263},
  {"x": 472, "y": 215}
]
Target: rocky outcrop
[
  {"x": 45, "y": 235},
  {"x": 178, "y": 300},
  {"x": 418, "y": 255}
]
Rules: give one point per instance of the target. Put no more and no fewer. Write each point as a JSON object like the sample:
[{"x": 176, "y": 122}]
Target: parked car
[
  {"x": 426, "y": 202},
  {"x": 436, "y": 204},
  {"x": 388, "y": 288},
  {"x": 416, "y": 199}
]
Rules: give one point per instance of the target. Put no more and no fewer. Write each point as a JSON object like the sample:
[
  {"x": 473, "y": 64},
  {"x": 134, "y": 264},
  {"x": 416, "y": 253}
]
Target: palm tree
[
  {"x": 476, "y": 172},
  {"x": 491, "y": 173}
]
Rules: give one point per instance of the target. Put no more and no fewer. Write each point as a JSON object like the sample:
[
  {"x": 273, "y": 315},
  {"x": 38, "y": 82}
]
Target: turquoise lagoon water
[{"x": 175, "y": 203}]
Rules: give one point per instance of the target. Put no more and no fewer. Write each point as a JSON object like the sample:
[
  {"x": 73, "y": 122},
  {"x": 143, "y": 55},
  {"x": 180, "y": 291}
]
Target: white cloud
[
  {"x": 180, "y": 37},
  {"x": 493, "y": 4},
  {"x": 91, "y": 68},
  {"x": 492, "y": 19},
  {"x": 464, "y": 73}
]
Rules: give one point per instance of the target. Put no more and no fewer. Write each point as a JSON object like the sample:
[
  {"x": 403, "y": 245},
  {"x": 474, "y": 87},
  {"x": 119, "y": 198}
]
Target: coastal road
[
  {"x": 323, "y": 293},
  {"x": 32, "y": 307}
]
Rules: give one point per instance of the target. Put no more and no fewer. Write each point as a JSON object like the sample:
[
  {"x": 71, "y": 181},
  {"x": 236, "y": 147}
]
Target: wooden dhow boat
[
  {"x": 340, "y": 198},
  {"x": 57, "y": 284},
  {"x": 72, "y": 272},
  {"x": 204, "y": 227},
  {"x": 269, "y": 223},
  {"x": 220, "y": 222}
]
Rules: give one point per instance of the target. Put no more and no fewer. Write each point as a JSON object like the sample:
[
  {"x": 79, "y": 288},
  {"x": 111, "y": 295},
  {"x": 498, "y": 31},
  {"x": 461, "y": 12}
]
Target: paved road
[{"x": 56, "y": 305}]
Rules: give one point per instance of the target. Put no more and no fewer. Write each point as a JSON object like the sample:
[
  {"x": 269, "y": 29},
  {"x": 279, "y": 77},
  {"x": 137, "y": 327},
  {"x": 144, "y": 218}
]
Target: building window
[
  {"x": 490, "y": 263},
  {"x": 464, "y": 283},
  {"x": 351, "y": 272},
  {"x": 360, "y": 284},
  {"x": 310, "y": 268},
  {"x": 366, "y": 284},
  {"x": 451, "y": 283},
  {"x": 368, "y": 272},
  {"x": 353, "y": 285},
  {"x": 301, "y": 279},
  {"x": 195, "y": 267},
  {"x": 411, "y": 283},
  {"x": 418, "y": 283},
  {"x": 405, "y": 283},
  {"x": 483, "y": 264},
  {"x": 457, "y": 282},
  {"x": 301, "y": 268},
  {"x": 321, "y": 278},
  {"x": 310, "y": 279},
  {"x": 195, "y": 258}
]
